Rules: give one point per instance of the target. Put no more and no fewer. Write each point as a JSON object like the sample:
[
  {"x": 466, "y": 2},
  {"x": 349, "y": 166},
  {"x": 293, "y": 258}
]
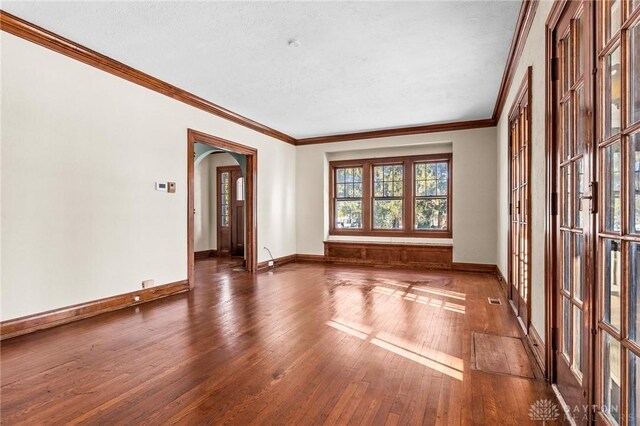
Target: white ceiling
[{"x": 359, "y": 66}]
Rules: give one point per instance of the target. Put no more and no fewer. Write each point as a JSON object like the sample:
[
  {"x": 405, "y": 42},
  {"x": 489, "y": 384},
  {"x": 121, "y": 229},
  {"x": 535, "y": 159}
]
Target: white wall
[
  {"x": 534, "y": 55},
  {"x": 81, "y": 150},
  {"x": 205, "y": 178},
  {"x": 474, "y": 187}
]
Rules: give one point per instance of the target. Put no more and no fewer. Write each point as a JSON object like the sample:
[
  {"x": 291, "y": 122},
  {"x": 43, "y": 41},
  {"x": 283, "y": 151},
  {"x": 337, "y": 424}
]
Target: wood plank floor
[{"x": 306, "y": 344}]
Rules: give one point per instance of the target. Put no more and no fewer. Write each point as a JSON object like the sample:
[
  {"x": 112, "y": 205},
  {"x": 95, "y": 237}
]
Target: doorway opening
[{"x": 221, "y": 220}]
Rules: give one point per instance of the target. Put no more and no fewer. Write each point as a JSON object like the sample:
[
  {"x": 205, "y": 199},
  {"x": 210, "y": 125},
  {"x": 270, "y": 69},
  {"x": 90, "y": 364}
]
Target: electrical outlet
[
  {"x": 270, "y": 263},
  {"x": 147, "y": 283}
]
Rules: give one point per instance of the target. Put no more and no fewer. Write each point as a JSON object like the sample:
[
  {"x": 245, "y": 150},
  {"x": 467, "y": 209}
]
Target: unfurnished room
[{"x": 320, "y": 212}]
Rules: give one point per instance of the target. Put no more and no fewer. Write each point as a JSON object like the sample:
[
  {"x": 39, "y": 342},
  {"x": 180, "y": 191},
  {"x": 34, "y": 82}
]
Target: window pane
[
  {"x": 577, "y": 210},
  {"x": 578, "y": 266},
  {"x": 224, "y": 184},
  {"x": 431, "y": 188},
  {"x": 611, "y": 272},
  {"x": 349, "y": 182},
  {"x": 612, "y": 202},
  {"x": 634, "y": 291},
  {"x": 615, "y": 17},
  {"x": 388, "y": 181},
  {"x": 566, "y": 126},
  {"x": 566, "y": 194},
  {"x": 634, "y": 392},
  {"x": 357, "y": 190},
  {"x": 577, "y": 341},
  {"x": 566, "y": 260},
  {"x": 634, "y": 73},
  {"x": 611, "y": 377},
  {"x": 612, "y": 93},
  {"x": 634, "y": 183},
  {"x": 579, "y": 48},
  {"x": 348, "y": 214},
  {"x": 431, "y": 214},
  {"x": 240, "y": 189},
  {"x": 357, "y": 174},
  {"x": 565, "y": 56},
  {"x": 442, "y": 187},
  {"x": 442, "y": 171},
  {"x": 566, "y": 315},
  {"x": 580, "y": 127},
  {"x": 387, "y": 214}
]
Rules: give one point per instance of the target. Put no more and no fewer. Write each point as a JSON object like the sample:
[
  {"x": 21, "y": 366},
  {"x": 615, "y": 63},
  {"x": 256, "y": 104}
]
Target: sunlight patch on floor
[
  {"x": 436, "y": 360},
  {"x": 412, "y": 297}
]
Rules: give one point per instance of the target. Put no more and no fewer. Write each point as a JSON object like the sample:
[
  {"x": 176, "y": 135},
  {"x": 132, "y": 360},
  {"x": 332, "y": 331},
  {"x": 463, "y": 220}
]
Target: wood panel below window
[{"x": 432, "y": 256}]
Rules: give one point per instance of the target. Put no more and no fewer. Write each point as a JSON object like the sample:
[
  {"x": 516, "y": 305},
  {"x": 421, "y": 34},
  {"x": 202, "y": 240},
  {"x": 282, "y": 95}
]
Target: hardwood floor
[{"x": 306, "y": 344}]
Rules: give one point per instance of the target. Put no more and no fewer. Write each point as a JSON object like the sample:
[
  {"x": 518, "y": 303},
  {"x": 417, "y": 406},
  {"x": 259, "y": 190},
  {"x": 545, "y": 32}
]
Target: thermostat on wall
[{"x": 166, "y": 186}]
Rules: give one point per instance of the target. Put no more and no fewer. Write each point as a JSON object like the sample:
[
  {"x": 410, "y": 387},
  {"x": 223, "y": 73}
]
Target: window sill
[
  {"x": 392, "y": 234},
  {"x": 390, "y": 240}
]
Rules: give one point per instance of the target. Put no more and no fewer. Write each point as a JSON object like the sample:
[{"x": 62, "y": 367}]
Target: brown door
[
  {"x": 237, "y": 213},
  {"x": 573, "y": 296},
  {"x": 519, "y": 177},
  {"x": 618, "y": 279},
  {"x": 230, "y": 211}
]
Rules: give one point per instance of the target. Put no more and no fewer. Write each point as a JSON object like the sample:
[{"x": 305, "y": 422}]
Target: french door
[
  {"x": 520, "y": 210},
  {"x": 618, "y": 324},
  {"x": 573, "y": 92}
]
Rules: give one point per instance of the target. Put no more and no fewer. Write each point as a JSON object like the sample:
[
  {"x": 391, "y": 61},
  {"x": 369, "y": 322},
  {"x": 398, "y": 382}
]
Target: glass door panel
[
  {"x": 619, "y": 203},
  {"x": 519, "y": 152},
  {"x": 574, "y": 172}
]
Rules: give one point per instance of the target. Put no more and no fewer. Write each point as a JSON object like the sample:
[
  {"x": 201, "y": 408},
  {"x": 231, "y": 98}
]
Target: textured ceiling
[{"x": 359, "y": 65}]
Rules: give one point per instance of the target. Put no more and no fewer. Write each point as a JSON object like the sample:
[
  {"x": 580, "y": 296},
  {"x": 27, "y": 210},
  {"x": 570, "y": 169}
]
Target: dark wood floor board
[{"x": 303, "y": 344}]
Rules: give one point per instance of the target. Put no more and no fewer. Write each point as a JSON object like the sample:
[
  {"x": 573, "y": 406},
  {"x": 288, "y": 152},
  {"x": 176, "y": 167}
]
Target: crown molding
[
  {"x": 523, "y": 25},
  {"x": 35, "y": 34},
  {"x": 399, "y": 131}
]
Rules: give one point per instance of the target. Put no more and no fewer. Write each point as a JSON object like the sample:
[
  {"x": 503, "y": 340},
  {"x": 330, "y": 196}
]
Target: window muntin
[
  {"x": 400, "y": 196},
  {"x": 431, "y": 195},
  {"x": 388, "y": 191},
  {"x": 348, "y": 199}
]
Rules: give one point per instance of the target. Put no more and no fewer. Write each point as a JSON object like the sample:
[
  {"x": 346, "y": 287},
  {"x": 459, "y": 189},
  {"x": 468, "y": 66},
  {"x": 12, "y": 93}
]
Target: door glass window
[
  {"x": 612, "y": 169},
  {"x": 634, "y": 73},
  {"x": 634, "y": 292},
  {"x": 612, "y": 94},
  {"x": 611, "y": 278},
  {"x": 634, "y": 393},
  {"x": 566, "y": 347},
  {"x": 611, "y": 379},
  {"x": 634, "y": 183},
  {"x": 578, "y": 266}
]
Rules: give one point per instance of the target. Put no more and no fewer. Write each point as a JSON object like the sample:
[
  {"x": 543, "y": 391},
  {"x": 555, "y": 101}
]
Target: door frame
[
  {"x": 251, "y": 232},
  {"x": 525, "y": 89}
]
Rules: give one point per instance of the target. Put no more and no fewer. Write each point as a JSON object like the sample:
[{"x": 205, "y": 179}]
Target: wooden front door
[
  {"x": 237, "y": 213},
  {"x": 230, "y": 211},
  {"x": 519, "y": 205},
  {"x": 575, "y": 216}
]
